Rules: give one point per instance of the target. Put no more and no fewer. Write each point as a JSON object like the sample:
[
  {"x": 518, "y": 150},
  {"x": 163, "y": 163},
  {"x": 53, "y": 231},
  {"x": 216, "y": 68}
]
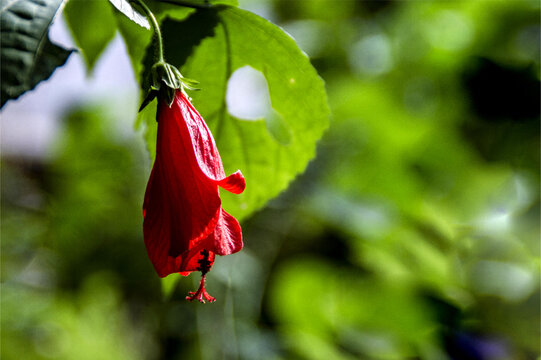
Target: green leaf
[
  {"x": 270, "y": 152},
  {"x": 92, "y": 25},
  {"x": 136, "y": 39},
  {"x": 125, "y": 7},
  {"x": 27, "y": 56}
]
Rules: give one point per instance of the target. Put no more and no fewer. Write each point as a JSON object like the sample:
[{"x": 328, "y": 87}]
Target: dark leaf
[{"x": 28, "y": 56}]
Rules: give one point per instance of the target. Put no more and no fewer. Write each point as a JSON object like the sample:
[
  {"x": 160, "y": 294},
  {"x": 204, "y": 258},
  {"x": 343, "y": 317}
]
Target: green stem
[{"x": 155, "y": 27}]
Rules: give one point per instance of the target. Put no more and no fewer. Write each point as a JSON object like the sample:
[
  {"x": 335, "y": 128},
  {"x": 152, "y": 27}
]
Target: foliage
[
  {"x": 271, "y": 150},
  {"x": 28, "y": 56},
  {"x": 97, "y": 15},
  {"x": 413, "y": 234}
]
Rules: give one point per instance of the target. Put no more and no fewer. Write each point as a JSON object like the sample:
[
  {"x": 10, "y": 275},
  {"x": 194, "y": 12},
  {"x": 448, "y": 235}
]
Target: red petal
[
  {"x": 234, "y": 183},
  {"x": 227, "y": 236},
  {"x": 206, "y": 153},
  {"x": 182, "y": 208}
]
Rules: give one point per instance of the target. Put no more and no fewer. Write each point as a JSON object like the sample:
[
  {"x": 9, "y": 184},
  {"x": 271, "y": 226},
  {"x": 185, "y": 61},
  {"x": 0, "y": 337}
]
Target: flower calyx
[{"x": 165, "y": 81}]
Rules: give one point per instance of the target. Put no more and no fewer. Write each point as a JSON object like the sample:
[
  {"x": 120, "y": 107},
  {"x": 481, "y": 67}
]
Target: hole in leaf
[{"x": 248, "y": 98}]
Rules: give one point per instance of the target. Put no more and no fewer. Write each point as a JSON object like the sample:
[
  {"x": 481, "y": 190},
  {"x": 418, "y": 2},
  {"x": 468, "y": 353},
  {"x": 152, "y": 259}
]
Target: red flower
[{"x": 184, "y": 224}]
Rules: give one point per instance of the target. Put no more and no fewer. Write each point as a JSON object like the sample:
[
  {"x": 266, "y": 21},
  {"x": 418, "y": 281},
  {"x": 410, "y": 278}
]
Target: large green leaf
[
  {"x": 27, "y": 56},
  {"x": 270, "y": 152},
  {"x": 92, "y": 25}
]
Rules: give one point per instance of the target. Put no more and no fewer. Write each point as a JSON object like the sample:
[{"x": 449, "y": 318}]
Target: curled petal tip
[{"x": 234, "y": 183}]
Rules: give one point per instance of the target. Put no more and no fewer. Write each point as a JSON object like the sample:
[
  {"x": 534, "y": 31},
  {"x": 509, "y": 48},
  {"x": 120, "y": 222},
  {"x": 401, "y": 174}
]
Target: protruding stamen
[{"x": 201, "y": 294}]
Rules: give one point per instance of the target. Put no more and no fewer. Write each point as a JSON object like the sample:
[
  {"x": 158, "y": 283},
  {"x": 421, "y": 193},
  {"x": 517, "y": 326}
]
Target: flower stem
[{"x": 155, "y": 28}]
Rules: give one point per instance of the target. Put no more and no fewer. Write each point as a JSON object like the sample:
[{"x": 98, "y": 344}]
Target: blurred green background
[{"x": 414, "y": 234}]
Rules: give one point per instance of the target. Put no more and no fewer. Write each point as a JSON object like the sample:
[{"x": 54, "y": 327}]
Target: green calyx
[
  {"x": 165, "y": 81},
  {"x": 165, "y": 78}
]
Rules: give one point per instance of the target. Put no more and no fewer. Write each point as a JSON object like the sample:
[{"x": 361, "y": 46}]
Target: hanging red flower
[{"x": 184, "y": 224}]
